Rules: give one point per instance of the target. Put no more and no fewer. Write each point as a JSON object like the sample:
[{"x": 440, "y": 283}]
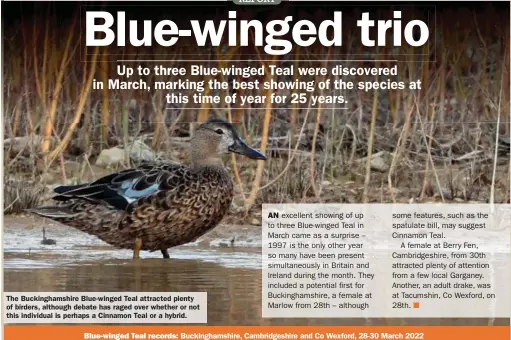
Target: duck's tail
[
  {"x": 94, "y": 219},
  {"x": 57, "y": 213}
]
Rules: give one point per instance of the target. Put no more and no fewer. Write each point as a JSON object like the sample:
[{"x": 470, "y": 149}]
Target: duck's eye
[{"x": 219, "y": 131}]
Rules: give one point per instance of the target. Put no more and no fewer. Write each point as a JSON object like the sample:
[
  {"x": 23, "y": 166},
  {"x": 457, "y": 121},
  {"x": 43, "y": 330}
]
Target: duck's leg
[
  {"x": 136, "y": 249},
  {"x": 165, "y": 253}
]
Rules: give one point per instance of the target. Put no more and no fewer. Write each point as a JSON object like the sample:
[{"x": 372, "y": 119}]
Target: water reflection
[{"x": 234, "y": 294}]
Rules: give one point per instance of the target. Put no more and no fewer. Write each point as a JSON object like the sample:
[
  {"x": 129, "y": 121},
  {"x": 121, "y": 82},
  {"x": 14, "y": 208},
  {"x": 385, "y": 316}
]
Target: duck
[
  {"x": 47, "y": 241},
  {"x": 156, "y": 205}
]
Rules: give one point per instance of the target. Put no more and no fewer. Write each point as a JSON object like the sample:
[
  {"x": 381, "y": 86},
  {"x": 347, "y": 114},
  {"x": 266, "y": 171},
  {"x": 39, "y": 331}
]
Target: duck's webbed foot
[
  {"x": 137, "y": 248},
  {"x": 165, "y": 253}
]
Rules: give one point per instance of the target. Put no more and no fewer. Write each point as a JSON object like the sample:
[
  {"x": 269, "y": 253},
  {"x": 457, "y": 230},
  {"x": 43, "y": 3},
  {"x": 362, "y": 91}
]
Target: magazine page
[{"x": 256, "y": 169}]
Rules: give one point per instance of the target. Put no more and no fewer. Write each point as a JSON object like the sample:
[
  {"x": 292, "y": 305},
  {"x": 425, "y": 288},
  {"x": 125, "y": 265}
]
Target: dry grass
[
  {"x": 20, "y": 195},
  {"x": 443, "y": 139}
]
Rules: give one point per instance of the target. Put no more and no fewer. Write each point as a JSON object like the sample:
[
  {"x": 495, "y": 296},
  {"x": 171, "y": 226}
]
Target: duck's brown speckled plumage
[
  {"x": 161, "y": 204},
  {"x": 188, "y": 205}
]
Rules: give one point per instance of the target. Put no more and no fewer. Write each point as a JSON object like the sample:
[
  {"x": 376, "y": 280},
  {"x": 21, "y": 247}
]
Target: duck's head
[{"x": 215, "y": 138}]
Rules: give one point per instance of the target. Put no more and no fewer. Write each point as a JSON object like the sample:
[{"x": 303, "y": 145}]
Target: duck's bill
[{"x": 243, "y": 149}]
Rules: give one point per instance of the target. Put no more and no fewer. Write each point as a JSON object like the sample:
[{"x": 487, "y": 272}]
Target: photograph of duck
[{"x": 156, "y": 206}]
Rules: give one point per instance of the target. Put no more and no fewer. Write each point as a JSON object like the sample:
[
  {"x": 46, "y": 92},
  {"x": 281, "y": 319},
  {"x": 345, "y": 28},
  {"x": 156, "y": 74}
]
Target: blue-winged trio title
[{"x": 303, "y": 33}]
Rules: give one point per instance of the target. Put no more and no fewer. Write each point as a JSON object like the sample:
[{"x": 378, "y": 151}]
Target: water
[{"x": 231, "y": 276}]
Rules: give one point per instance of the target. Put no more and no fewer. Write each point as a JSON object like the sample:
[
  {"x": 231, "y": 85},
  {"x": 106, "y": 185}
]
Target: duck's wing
[{"x": 121, "y": 189}]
